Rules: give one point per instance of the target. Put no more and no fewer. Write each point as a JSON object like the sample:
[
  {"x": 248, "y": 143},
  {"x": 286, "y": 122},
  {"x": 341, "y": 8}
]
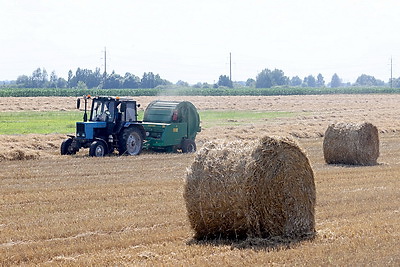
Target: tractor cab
[{"x": 113, "y": 110}]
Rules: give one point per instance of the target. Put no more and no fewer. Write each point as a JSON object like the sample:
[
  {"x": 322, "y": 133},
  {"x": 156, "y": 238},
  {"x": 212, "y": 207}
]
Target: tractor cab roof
[{"x": 112, "y": 98}]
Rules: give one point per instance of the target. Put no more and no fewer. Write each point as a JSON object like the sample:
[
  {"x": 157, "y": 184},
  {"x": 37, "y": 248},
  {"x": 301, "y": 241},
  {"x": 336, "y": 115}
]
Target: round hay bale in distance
[
  {"x": 259, "y": 189},
  {"x": 352, "y": 144}
]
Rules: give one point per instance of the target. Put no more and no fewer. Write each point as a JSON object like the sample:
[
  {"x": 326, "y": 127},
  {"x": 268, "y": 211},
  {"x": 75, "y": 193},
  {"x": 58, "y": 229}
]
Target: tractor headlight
[{"x": 147, "y": 133}]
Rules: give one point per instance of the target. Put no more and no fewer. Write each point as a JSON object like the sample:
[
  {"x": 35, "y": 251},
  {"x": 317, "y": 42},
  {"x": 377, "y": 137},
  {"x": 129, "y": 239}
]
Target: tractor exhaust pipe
[
  {"x": 85, "y": 114},
  {"x": 78, "y": 104}
]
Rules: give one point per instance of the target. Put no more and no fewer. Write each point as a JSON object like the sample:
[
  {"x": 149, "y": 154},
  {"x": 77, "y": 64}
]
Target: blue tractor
[{"x": 112, "y": 125}]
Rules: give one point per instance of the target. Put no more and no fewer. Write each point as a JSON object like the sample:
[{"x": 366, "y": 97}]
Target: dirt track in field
[{"x": 77, "y": 210}]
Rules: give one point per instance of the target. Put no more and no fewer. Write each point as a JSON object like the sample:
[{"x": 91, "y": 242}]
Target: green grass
[
  {"x": 45, "y": 122},
  {"x": 210, "y": 118},
  {"x": 39, "y": 122}
]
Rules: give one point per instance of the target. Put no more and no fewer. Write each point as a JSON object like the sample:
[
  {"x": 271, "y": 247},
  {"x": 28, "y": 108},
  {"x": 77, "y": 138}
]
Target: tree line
[
  {"x": 268, "y": 78},
  {"x": 86, "y": 78}
]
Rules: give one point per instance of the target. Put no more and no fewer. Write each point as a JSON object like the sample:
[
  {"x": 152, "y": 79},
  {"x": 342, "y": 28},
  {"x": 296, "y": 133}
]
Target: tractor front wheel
[
  {"x": 67, "y": 148},
  {"x": 98, "y": 149},
  {"x": 188, "y": 146},
  {"x": 131, "y": 142}
]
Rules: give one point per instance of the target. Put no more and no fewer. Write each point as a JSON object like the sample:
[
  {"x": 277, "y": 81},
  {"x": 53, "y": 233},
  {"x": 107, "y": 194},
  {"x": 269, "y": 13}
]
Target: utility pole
[
  {"x": 105, "y": 61},
  {"x": 391, "y": 72},
  {"x": 230, "y": 66},
  {"x": 105, "y": 67}
]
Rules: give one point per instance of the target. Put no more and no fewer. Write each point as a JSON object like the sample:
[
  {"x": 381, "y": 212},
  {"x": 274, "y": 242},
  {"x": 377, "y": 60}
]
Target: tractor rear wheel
[
  {"x": 98, "y": 149},
  {"x": 131, "y": 142},
  {"x": 66, "y": 147},
  {"x": 188, "y": 146}
]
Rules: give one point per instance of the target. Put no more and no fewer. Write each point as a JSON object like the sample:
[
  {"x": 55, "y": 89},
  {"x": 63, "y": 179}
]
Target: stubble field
[{"x": 76, "y": 210}]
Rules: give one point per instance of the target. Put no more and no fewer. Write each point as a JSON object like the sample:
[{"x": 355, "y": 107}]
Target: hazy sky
[{"x": 190, "y": 40}]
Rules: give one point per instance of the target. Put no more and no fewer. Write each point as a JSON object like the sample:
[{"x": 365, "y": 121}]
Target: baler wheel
[{"x": 188, "y": 146}]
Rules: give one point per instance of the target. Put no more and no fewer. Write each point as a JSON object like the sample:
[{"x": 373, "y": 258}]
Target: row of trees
[
  {"x": 85, "y": 78},
  {"x": 40, "y": 79},
  {"x": 268, "y": 78}
]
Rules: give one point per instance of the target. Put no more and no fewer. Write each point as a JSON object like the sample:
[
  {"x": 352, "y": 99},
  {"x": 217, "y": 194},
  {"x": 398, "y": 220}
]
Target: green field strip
[{"x": 46, "y": 122}]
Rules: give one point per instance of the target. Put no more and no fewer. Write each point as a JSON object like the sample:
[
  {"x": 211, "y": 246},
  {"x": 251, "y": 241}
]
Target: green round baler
[{"x": 171, "y": 126}]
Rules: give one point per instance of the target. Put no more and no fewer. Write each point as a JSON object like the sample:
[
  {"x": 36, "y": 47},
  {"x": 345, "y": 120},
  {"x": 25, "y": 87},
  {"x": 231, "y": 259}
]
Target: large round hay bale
[
  {"x": 259, "y": 189},
  {"x": 353, "y": 144}
]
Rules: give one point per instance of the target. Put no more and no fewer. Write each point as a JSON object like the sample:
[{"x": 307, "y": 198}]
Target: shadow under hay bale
[
  {"x": 352, "y": 144},
  {"x": 276, "y": 243},
  {"x": 243, "y": 190}
]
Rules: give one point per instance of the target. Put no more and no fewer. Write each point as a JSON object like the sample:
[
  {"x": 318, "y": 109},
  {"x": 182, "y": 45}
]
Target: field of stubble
[{"x": 63, "y": 210}]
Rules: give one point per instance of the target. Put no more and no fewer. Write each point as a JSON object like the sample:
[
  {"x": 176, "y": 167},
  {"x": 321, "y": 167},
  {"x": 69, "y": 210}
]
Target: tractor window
[
  {"x": 130, "y": 111},
  {"x": 110, "y": 110},
  {"x": 103, "y": 111},
  {"x": 96, "y": 110}
]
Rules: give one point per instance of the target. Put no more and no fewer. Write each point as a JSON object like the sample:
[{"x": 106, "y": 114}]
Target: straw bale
[
  {"x": 29, "y": 146},
  {"x": 18, "y": 154},
  {"x": 353, "y": 144},
  {"x": 259, "y": 189}
]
